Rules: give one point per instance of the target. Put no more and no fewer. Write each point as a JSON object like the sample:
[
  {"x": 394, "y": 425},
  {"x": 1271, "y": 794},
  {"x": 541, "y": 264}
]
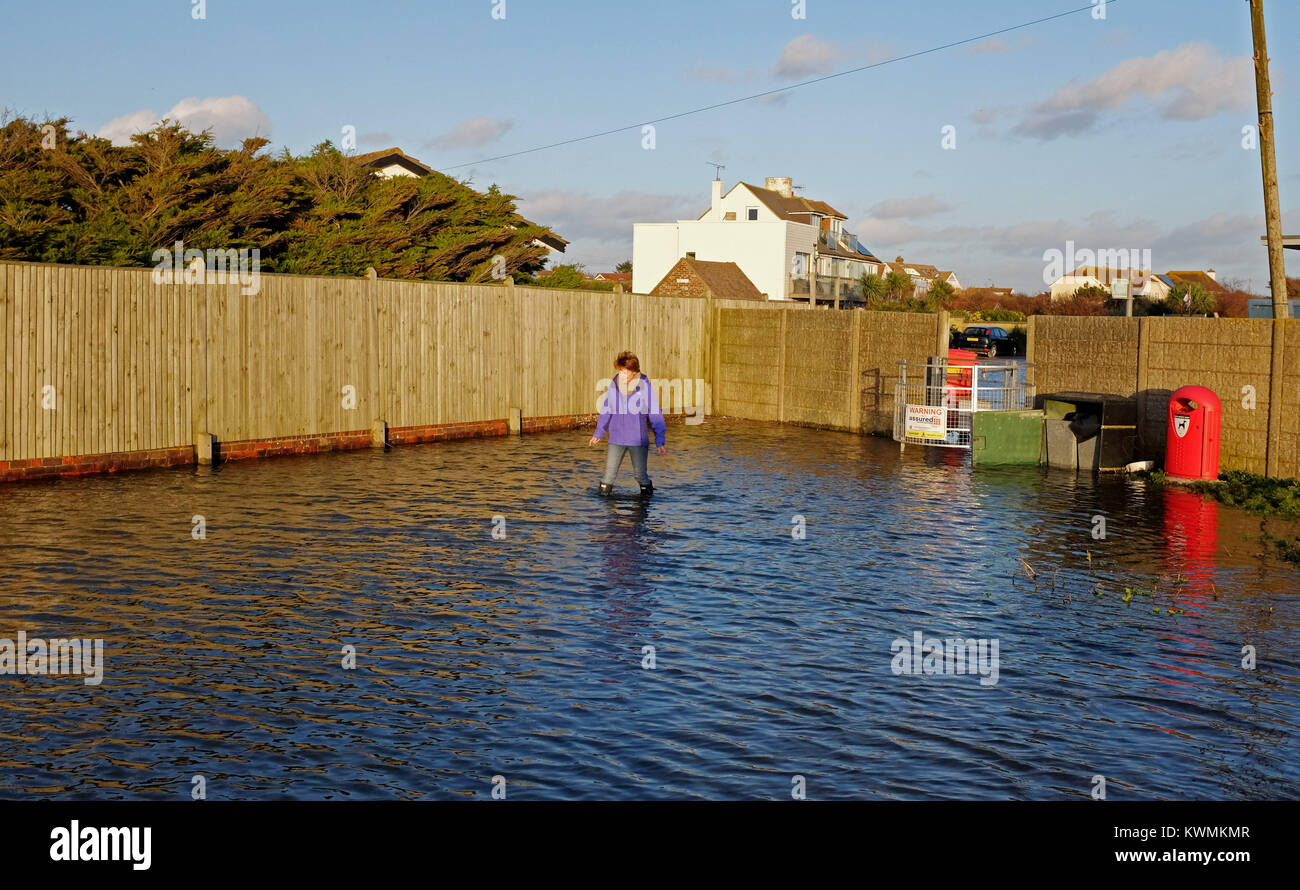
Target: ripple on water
[{"x": 522, "y": 657}]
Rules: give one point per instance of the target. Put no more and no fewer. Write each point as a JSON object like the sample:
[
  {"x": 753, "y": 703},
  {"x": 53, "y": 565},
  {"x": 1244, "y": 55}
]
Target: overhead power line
[{"x": 794, "y": 86}]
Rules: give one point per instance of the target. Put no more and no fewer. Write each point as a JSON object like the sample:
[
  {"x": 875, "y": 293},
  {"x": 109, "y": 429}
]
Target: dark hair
[{"x": 630, "y": 361}]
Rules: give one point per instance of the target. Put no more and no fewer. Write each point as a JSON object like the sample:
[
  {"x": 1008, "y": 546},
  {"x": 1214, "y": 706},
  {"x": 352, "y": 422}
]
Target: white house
[
  {"x": 784, "y": 243},
  {"x": 1159, "y": 286},
  {"x": 1102, "y": 277},
  {"x": 923, "y": 275}
]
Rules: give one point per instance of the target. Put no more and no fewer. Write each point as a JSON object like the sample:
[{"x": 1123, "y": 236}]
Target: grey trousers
[{"x": 614, "y": 459}]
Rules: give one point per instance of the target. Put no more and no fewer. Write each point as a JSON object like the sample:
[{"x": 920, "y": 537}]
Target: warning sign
[
  {"x": 1182, "y": 423},
  {"x": 927, "y": 422}
]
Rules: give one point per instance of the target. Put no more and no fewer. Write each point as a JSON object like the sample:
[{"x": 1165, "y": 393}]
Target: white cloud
[
  {"x": 806, "y": 56},
  {"x": 231, "y": 119},
  {"x": 1192, "y": 82},
  {"x": 120, "y": 129},
  {"x": 908, "y": 208},
  {"x": 472, "y": 133}
]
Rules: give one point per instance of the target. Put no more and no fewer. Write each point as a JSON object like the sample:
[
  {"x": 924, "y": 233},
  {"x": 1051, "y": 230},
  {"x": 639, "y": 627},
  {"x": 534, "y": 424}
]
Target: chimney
[
  {"x": 1214, "y": 276},
  {"x": 782, "y": 185},
  {"x": 716, "y": 207}
]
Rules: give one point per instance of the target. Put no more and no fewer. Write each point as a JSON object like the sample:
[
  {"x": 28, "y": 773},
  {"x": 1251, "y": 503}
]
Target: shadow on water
[{"x": 524, "y": 655}]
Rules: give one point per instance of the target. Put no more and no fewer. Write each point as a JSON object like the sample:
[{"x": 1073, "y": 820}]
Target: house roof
[
  {"x": 725, "y": 280},
  {"x": 922, "y": 269},
  {"x": 1195, "y": 277},
  {"x": 386, "y": 157},
  {"x": 823, "y": 250},
  {"x": 612, "y": 276},
  {"x": 787, "y": 208},
  {"x": 793, "y": 206}
]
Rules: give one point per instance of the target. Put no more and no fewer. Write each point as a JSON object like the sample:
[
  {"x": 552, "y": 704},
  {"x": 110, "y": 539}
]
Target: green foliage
[
  {"x": 569, "y": 275},
  {"x": 1285, "y": 549},
  {"x": 910, "y": 304},
  {"x": 624, "y": 267},
  {"x": 1189, "y": 299},
  {"x": 1257, "y": 494},
  {"x": 899, "y": 285},
  {"x": 1000, "y": 315},
  {"x": 939, "y": 295},
  {"x": 1092, "y": 293},
  {"x": 873, "y": 290},
  {"x": 86, "y": 201}
]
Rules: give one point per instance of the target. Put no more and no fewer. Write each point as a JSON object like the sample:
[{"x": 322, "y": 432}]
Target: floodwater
[{"x": 525, "y": 657}]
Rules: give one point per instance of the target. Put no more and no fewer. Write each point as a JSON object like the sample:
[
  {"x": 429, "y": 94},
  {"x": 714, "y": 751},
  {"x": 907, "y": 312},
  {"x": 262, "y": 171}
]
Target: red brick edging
[{"x": 250, "y": 449}]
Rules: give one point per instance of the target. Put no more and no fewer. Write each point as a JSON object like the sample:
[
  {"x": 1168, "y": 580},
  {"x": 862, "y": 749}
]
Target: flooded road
[{"x": 690, "y": 646}]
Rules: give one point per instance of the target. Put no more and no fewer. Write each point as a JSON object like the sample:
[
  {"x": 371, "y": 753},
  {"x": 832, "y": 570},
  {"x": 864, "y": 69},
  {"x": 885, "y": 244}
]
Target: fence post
[
  {"x": 199, "y": 368},
  {"x": 855, "y": 374},
  {"x": 1143, "y": 354},
  {"x": 780, "y": 370},
  {"x": 1277, "y": 367}
]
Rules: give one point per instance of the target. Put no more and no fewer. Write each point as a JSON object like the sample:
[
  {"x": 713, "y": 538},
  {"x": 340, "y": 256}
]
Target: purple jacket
[{"x": 624, "y": 417}]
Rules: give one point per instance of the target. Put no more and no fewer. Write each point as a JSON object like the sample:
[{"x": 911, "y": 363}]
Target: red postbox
[{"x": 1192, "y": 437}]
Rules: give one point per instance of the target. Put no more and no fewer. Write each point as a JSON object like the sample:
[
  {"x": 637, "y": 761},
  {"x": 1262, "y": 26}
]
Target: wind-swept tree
[{"x": 74, "y": 198}]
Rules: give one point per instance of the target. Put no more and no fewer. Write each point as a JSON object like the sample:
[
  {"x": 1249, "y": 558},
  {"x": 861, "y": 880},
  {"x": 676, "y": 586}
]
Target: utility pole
[
  {"x": 1268, "y": 158},
  {"x": 1273, "y": 221}
]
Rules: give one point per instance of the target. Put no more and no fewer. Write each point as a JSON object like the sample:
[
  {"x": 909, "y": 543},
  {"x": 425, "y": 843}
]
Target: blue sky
[{"x": 1117, "y": 133}]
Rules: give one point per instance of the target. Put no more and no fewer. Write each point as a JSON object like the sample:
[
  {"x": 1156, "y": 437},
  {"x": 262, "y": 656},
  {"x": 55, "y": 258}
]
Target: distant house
[
  {"x": 923, "y": 275},
  {"x": 1160, "y": 285},
  {"x": 392, "y": 162},
  {"x": 1100, "y": 277},
  {"x": 988, "y": 293},
  {"x": 785, "y": 244},
  {"x": 623, "y": 278},
  {"x": 700, "y": 278}
]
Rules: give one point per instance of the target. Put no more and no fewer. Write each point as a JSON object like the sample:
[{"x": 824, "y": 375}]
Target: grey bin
[{"x": 1088, "y": 430}]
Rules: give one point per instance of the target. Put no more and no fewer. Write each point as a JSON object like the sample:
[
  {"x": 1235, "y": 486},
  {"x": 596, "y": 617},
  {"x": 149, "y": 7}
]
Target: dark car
[{"x": 985, "y": 341}]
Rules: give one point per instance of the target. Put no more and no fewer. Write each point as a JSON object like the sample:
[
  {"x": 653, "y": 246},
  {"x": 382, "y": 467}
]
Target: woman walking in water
[{"x": 628, "y": 403}]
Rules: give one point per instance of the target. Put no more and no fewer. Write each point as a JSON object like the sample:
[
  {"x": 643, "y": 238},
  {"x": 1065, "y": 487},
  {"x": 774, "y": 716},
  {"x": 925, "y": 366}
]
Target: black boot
[
  {"x": 606, "y": 490},
  {"x": 647, "y": 489}
]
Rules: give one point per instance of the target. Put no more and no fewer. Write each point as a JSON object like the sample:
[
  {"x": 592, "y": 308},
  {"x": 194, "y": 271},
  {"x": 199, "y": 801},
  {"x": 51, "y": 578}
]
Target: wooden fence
[{"x": 102, "y": 360}]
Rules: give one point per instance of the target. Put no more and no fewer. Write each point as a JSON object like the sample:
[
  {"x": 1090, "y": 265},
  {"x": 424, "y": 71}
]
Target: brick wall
[{"x": 251, "y": 449}]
